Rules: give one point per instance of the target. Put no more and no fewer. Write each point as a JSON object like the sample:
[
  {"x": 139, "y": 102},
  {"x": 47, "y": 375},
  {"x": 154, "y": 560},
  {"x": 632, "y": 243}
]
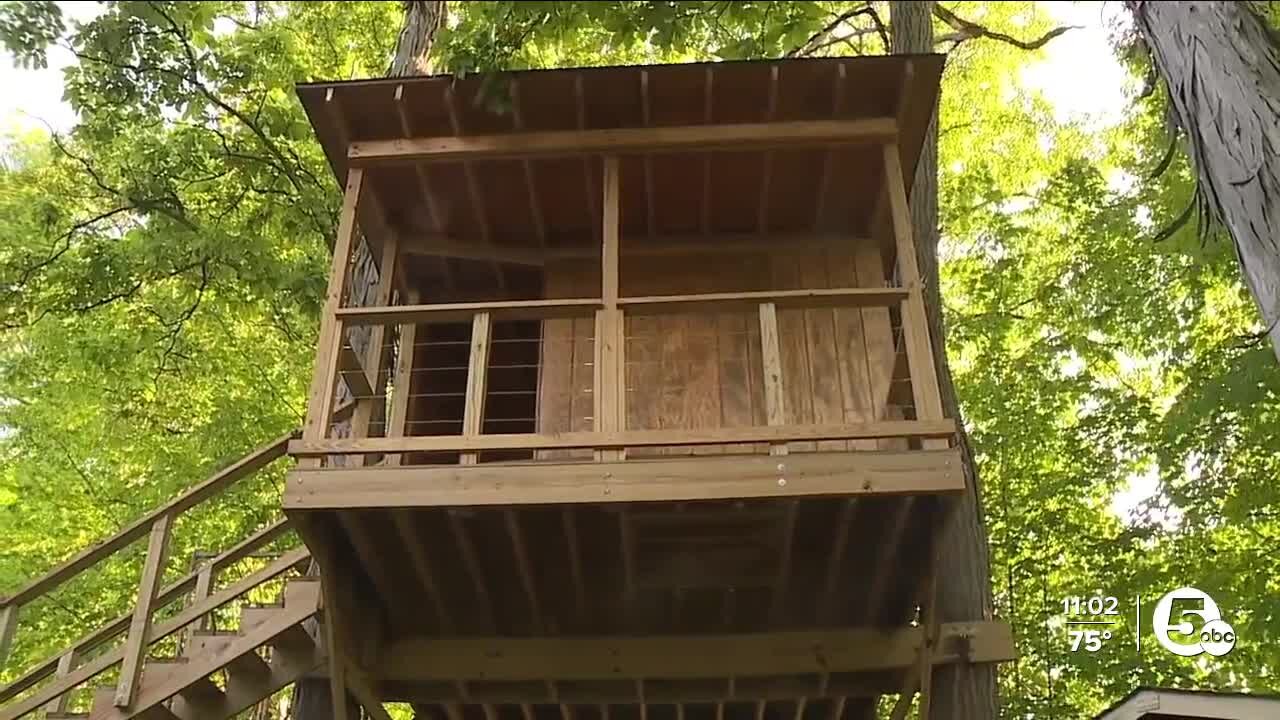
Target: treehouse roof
[{"x": 546, "y": 193}]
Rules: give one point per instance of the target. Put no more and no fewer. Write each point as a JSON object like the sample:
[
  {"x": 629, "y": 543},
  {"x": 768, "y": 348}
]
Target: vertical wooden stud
[
  {"x": 398, "y": 414},
  {"x": 915, "y": 322},
  {"x": 610, "y": 391},
  {"x": 135, "y": 648},
  {"x": 775, "y": 403},
  {"x": 204, "y": 583},
  {"x": 325, "y": 376},
  {"x": 473, "y": 411},
  {"x": 8, "y": 626},
  {"x": 65, "y": 664}
]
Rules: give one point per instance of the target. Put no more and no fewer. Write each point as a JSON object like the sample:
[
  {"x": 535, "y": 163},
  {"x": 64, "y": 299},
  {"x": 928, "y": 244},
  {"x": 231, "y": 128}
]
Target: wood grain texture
[{"x": 677, "y": 479}]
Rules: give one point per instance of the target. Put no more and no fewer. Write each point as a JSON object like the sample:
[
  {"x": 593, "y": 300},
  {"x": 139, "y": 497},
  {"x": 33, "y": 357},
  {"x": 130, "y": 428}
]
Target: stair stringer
[{"x": 211, "y": 653}]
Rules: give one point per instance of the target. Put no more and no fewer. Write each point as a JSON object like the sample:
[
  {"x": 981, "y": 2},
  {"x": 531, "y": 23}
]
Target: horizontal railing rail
[
  {"x": 625, "y": 439},
  {"x": 395, "y": 440},
  {"x": 138, "y": 625}
]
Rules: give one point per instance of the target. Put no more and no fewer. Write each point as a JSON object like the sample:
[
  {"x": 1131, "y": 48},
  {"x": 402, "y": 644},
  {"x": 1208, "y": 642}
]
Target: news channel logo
[{"x": 1176, "y": 632}]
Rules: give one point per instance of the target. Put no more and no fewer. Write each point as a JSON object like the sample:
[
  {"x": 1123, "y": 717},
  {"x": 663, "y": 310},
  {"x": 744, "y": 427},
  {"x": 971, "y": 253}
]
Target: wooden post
[
  {"x": 775, "y": 402},
  {"x": 398, "y": 414},
  {"x": 610, "y": 388},
  {"x": 375, "y": 354},
  {"x": 135, "y": 648},
  {"x": 915, "y": 322},
  {"x": 325, "y": 377},
  {"x": 204, "y": 583},
  {"x": 8, "y": 626},
  {"x": 473, "y": 410},
  {"x": 65, "y": 664}
]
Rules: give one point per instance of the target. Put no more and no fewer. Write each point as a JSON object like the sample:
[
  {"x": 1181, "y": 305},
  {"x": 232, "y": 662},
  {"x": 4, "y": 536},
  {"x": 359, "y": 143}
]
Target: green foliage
[{"x": 162, "y": 267}]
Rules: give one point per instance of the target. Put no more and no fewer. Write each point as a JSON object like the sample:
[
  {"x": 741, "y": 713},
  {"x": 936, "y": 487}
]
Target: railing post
[
  {"x": 135, "y": 648},
  {"x": 204, "y": 584},
  {"x": 478, "y": 364},
  {"x": 398, "y": 413},
  {"x": 8, "y": 626},
  {"x": 65, "y": 665},
  {"x": 775, "y": 400},
  {"x": 610, "y": 392},
  {"x": 329, "y": 342},
  {"x": 915, "y": 321}
]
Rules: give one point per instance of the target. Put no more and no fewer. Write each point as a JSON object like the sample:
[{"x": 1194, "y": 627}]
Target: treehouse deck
[{"x": 624, "y": 405}]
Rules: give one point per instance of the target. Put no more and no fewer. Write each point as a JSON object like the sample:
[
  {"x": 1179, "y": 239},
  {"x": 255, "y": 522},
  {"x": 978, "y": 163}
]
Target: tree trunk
[
  {"x": 959, "y": 692},
  {"x": 422, "y": 19},
  {"x": 1221, "y": 64}
]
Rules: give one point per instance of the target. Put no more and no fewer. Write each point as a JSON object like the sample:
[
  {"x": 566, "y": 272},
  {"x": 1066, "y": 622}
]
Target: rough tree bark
[
  {"x": 1221, "y": 64},
  {"x": 959, "y": 692},
  {"x": 412, "y": 56}
]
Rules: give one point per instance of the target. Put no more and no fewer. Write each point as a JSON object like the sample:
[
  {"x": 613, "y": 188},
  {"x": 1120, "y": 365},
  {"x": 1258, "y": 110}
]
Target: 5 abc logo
[{"x": 1214, "y": 636}]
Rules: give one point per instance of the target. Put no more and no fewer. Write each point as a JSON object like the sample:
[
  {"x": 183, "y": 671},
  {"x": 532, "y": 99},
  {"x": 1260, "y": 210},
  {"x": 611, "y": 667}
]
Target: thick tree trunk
[
  {"x": 1221, "y": 64},
  {"x": 422, "y": 19},
  {"x": 959, "y": 692}
]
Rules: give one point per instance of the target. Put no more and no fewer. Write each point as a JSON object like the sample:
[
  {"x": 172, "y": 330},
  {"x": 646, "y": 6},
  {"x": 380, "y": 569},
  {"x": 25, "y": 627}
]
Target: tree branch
[{"x": 968, "y": 30}]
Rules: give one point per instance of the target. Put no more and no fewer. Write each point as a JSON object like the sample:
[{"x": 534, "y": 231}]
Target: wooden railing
[
  {"x": 139, "y": 626},
  {"x": 609, "y": 437},
  {"x": 933, "y": 432}
]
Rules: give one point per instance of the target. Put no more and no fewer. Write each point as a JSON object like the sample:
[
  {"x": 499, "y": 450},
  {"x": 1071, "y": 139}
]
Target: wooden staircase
[
  {"x": 272, "y": 648},
  {"x": 216, "y": 673}
]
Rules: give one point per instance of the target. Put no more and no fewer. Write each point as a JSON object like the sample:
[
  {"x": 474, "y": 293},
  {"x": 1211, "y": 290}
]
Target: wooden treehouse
[{"x": 624, "y": 407}]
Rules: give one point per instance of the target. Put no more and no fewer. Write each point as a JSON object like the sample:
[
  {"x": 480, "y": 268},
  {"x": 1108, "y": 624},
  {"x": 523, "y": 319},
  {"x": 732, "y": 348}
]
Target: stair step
[
  {"x": 294, "y": 640},
  {"x": 202, "y": 693},
  {"x": 248, "y": 667},
  {"x": 252, "y": 616},
  {"x": 66, "y": 715},
  {"x": 157, "y": 712}
]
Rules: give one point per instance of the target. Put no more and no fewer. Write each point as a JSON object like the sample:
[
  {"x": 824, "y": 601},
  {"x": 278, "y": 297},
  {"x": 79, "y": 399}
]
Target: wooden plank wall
[{"x": 704, "y": 370}]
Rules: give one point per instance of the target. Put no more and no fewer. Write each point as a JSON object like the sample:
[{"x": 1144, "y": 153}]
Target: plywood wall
[{"x": 694, "y": 371}]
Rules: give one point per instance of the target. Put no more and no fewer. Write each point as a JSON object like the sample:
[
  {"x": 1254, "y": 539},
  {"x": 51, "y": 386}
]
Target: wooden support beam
[
  {"x": 576, "y": 658},
  {"x": 628, "y": 438},
  {"x": 714, "y": 477},
  {"x": 524, "y": 567},
  {"x": 766, "y": 172},
  {"x": 422, "y": 564},
  {"x": 651, "y": 222},
  {"x": 835, "y": 561},
  {"x": 464, "y": 312},
  {"x": 325, "y": 377},
  {"x": 807, "y": 133},
  {"x": 787, "y": 534},
  {"x": 824, "y": 177},
  {"x": 385, "y": 576},
  {"x": 441, "y": 245},
  {"x": 135, "y": 648},
  {"x": 471, "y": 560},
  {"x": 575, "y": 561},
  {"x": 708, "y": 102},
  {"x": 477, "y": 375},
  {"x": 915, "y": 320},
  {"x": 531, "y": 185},
  {"x": 775, "y": 398},
  {"x": 728, "y": 302},
  {"x": 609, "y": 394}
]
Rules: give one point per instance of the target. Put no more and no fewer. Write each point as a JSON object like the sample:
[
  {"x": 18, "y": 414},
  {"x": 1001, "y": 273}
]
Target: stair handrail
[{"x": 150, "y": 596}]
